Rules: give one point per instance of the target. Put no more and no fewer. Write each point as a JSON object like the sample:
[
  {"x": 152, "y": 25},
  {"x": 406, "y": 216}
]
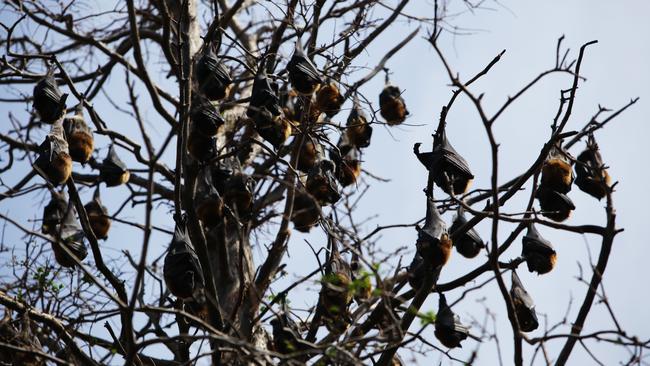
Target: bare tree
[{"x": 242, "y": 121}]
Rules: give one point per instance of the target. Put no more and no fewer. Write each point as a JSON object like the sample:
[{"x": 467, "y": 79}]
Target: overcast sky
[{"x": 617, "y": 69}]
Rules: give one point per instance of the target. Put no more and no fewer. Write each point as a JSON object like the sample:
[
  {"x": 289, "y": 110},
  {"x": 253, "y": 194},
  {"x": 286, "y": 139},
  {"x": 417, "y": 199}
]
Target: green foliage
[
  {"x": 361, "y": 284},
  {"x": 290, "y": 346},
  {"x": 333, "y": 309},
  {"x": 45, "y": 282},
  {"x": 273, "y": 297},
  {"x": 331, "y": 352},
  {"x": 427, "y": 318},
  {"x": 331, "y": 278}
]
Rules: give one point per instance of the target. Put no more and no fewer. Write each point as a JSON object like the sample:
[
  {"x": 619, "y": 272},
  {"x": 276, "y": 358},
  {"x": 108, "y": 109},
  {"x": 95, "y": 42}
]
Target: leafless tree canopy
[{"x": 245, "y": 121}]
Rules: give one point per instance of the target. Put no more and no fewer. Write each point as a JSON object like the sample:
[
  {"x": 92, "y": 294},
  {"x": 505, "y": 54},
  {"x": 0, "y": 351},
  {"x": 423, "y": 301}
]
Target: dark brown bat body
[
  {"x": 207, "y": 200},
  {"x": 556, "y": 206},
  {"x": 347, "y": 171},
  {"x": 117, "y": 180},
  {"x": 591, "y": 175},
  {"x": 306, "y": 111},
  {"x": 276, "y": 132},
  {"x": 288, "y": 99},
  {"x": 470, "y": 243},
  {"x": 304, "y": 86},
  {"x": 303, "y": 75},
  {"x": 206, "y": 118},
  {"x": 348, "y": 163},
  {"x": 308, "y": 156},
  {"x": 53, "y": 213},
  {"x": 54, "y": 163},
  {"x": 210, "y": 211},
  {"x": 99, "y": 221},
  {"x": 222, "y": 171},
  {"x": 450, "y": 170},
  {"x": 98, "y": 216},
  {"x": 595, "y": 187},
  {"x": 49, "y": 102},
  {"x": 524, "y": 305},
  {"x": 321, "y": 183},
  {"x": 416, "y": 271},
  {"x": 449, "y": 338},
  {"x": 538, "y": 252},
  {"x": 200, "y": 146},
  {"x": 329, "y": 99},
  {"x": 238, "y": 195},
  {"x": 448, "y": 328},
  {"x": 557, "y": 174},
  {"x": 198, "y": 309},
  {"x": 358, "y": 129},
  {"x": 71, "y": 237},
  {"x": 336, "y": 295},
  {"x": 337, "y": 285},
  {"x": 264, "y": 104},
  {"x": 286, "y": 337},
  {"x": 80, "y": 138},
  {"x": 213, "y": 76},
  {"x": 62, "y": 258},
  {"x": 100, "y": 224},
  {"x": 392, "y": 106},
  {"x": 61, "y": 168},
  {"x": 81, "y": 147},
  {"x": 113, "y": 171},
  {"x": 440, "y": 251},
  {"x": 182, "y": 270},
  {"x": 433, "y": 248},
  {"x": 434, "y": 243},
  {"x": 306, "y": 211}
]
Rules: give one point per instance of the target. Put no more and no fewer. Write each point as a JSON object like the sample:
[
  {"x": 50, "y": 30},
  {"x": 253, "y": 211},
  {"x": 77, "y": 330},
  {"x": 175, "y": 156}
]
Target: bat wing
[
  {"x": 307, "y": 68},
  {"x": 452, "y": 158}
]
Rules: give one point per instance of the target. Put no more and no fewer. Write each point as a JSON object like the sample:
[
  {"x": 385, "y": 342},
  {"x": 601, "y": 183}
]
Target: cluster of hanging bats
[
  {"x": 70, "y": 139},
  {"x": 223, "y": 188}
]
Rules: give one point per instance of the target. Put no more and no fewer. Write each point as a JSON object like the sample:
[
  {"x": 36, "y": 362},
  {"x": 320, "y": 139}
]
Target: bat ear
[
  {"x": 62, "y": 107},
  {"x": 79, "y": 108}
]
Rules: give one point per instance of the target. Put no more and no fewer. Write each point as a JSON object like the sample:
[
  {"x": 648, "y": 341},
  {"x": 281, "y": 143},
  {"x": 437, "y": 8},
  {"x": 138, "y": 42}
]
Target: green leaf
[{"x": 427, "y": 318}]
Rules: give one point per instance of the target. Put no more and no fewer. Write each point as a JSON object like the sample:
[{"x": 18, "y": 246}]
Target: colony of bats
[{"x": 223, "y": 188}]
